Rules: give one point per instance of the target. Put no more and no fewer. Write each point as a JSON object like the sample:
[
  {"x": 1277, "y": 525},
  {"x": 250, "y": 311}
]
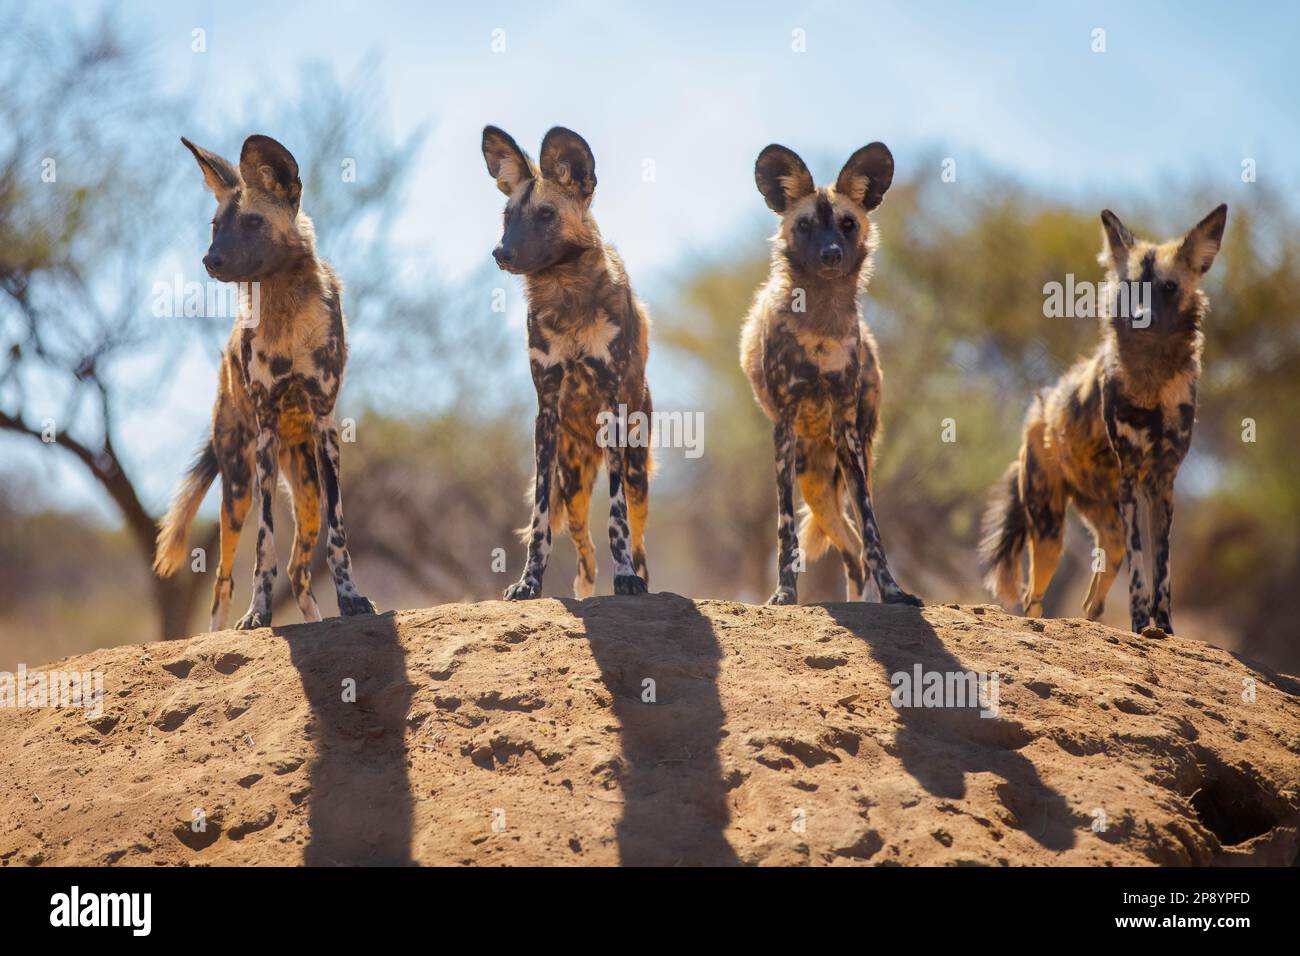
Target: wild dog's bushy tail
[
  {"x": 557, "y": 509},
  {"x": 813, "y": 539},
  {"x": 175, "y": 529},
  {"x": 824, "y": 518},
  {"x": 1002, "y": 537}
]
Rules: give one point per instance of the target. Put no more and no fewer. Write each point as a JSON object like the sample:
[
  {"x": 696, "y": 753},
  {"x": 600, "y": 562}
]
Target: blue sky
[
  {"x": 699, "y": 89},
  {"x": 1182, "y": 90}
]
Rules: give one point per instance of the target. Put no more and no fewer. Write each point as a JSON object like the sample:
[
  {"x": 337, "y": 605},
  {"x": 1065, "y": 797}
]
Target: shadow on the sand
[
  {"x": 360, "y": 795},
  {"x": 675, "y": 800},
  {"x": 939, "y": 746}
]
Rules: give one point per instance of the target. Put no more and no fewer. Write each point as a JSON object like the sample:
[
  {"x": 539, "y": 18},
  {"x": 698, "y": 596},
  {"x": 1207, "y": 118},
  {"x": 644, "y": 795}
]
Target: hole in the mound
[{"x": 1232, "y": 806}]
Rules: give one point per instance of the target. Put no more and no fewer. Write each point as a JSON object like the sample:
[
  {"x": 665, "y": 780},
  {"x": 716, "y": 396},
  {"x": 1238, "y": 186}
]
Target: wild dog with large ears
[
  {"x": 588, "y": 339},
  {"x": 811, "y": 360},
  {"x": 280, "y": 377},
  {"x": 1114, "y": 428}
]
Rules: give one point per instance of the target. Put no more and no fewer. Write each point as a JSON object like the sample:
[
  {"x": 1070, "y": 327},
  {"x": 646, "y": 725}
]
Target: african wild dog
[
  {"x": 280, "y": 376},
  {"x": 812, "y": 362},
  {"x": 588, "y": 339},
  {"x": 1116, "y": 424}
]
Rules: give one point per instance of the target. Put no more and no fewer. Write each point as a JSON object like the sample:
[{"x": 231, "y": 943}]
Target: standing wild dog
[
  {"x": 280, "y": 376},
  {"x": 588, "y": 339},
  {"x": 812, "y": 362},
  {"x": 1116, "y": 425}
]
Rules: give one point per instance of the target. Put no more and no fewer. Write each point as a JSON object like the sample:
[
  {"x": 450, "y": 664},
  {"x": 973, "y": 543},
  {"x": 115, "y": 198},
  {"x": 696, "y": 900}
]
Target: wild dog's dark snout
[
  {"x": 832, "y": 255},
  {"x": 503, "y": 256}
]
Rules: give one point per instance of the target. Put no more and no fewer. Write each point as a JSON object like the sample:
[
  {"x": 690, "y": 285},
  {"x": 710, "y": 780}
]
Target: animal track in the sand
[
  {"x": 199, "y": 839},
  {"x": 173, "y": 716},
  {"x": 493, "y": 700},
  {"x": 230, "y": 662},
  {"x": 180, "y": 668},
  {"x": 825, "y": 662},
  {"x": 808, "y": 753},
  {"x": 503, "y": 751}
]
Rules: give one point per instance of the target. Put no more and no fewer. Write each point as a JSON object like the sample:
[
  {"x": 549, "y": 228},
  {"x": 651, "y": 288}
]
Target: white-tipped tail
[{"x": 174, "y": 532}]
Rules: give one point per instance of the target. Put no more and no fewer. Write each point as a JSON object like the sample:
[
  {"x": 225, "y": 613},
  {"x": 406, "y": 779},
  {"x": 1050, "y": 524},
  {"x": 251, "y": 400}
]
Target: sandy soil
[{"x": 498, "y": 733}]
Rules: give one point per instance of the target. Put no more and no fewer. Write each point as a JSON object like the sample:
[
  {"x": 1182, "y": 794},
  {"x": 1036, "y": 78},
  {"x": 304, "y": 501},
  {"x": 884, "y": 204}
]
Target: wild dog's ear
[
  {"x": 867, "y": 175},
  {"x": 1117, "y": 239},
  {"x": 566, "y": 159},
  {"x": 506, "y": 162},
  {"x": 1201, "y": 245},
  {"x": 267, "y": 165},
  {"x": 218, "y": 175},
  {"x": 782, "y": 177}
]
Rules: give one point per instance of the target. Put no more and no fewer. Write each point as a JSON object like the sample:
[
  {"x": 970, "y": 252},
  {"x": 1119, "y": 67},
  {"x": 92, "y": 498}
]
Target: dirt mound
[{"x": 660, "y": 730}]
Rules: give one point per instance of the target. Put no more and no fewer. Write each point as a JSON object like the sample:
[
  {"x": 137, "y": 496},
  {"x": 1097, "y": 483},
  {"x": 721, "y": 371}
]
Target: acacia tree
[{"x": 93, "y": 191}]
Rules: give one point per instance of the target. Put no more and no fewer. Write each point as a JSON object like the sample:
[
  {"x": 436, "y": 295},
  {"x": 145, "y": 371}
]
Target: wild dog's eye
[
  {"x": 253, "y": 221},
  {"x": 803, "y": 225},
  {"x": 1171, "y": 286},
  {"x": 849, "y": 224},
  {"x": 545, "y": 213}
]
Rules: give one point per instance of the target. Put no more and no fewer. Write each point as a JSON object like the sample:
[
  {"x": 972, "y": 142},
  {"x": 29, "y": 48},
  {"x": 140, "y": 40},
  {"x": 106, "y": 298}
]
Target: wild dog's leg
[
  {"x": 1108, "y": 538},
  {"x": 626, "y": 580},
  {"x": 1139, "y": 601},
  {"x": 340, "y": 561},
  {"x": 236, "y": 499},
  {"x": 1160, "y": 497},
  {"x": 1129, "y": 429},
  {"x": 870, "y": 589},
  {"x": 822, "y": 487},
  {"x": 576, "y": 473},
  {"x": 299, "y": 464},
  {"x": 264, "y": 566},
  {"x": 852, "y": 461},
  {"x": 869, "y": 399},
  {"x": 783, "y": 442},
  {"x": 637, "y": 481},
  {"x": 1044, "y": 554},
  {"x": 1175, "y": 439},
  {"x": 547, "y": 379},
  {"x": 1043, "y": 497}
]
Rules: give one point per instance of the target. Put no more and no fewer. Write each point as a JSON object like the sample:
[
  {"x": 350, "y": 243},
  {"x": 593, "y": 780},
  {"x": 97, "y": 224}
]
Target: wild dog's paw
[
  {"x": 523, "y": 590},
  {"x": 629, "y": 584},
  {"x": 784, "y": 596},
  {"x": 356, "y": 604},
  {"x": 253, "y": 619},
  {"x": 902, "y": 597}
]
